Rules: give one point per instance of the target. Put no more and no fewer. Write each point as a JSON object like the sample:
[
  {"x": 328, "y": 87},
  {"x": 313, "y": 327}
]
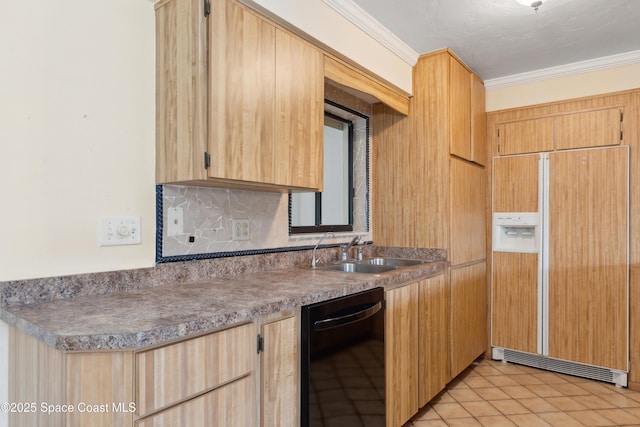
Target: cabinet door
[
  {"x": 300, "y": 113},
  {"x": 589, "y": 129},
  {"x": 469, "y": 300},
  {"x": 279, "y": 374},
  {"x": 36, "y": 373},
  {"x": 100, "y": 378},
  {"x": 588, "y": 256},
  {"x": 401, "y": 354},
  {"x": 468, "y": 212},
  {"x": 515, "y": 183},
  {"x": 459, "y": 110},
  {"x": 391, "y": 156},
  {"x": 242, "y": 91},
  {"x": 434, "y": 337},
  {"x": 478, "y": 121},
  {"x": 181, "y": 90},
  {"x": 514, "y": 304},
  {"x": 227, "y": 406},
  {"x": 525, "y": 136}
]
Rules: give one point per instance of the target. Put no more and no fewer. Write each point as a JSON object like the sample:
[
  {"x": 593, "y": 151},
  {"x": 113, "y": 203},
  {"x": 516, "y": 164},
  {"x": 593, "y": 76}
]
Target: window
[{"x": 343, "y": 204}]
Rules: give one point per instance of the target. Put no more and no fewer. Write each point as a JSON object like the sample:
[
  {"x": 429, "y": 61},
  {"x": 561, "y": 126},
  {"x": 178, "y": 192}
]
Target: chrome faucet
[
  {"x": 313, "y": 259},
  {"x": 345, "y": 248},
  {"x": 361, "y": 251}
]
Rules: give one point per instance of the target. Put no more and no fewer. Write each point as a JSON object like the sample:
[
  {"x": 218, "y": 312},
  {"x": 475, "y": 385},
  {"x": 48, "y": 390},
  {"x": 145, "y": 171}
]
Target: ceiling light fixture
[{"x": 535, "y": 4}]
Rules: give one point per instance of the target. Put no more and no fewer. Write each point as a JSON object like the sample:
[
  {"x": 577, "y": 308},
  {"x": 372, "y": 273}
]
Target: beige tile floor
[{"x": 493, "y": 393}]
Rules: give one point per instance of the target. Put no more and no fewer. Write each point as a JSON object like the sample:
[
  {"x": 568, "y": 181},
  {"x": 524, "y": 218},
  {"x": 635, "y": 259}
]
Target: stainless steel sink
[
  {"x": 354, "y": 267},
  {"x": 392, "y": 262}
]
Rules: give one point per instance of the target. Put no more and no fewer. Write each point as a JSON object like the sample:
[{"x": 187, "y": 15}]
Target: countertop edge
[{"x": 166, "y": 334}]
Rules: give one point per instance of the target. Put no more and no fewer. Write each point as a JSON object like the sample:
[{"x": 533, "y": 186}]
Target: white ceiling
[{"x": 498, "y": 38}]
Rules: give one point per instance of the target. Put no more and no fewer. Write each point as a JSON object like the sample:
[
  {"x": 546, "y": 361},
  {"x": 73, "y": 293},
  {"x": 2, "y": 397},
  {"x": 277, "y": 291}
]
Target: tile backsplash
[{"x": 208, "y": 215}]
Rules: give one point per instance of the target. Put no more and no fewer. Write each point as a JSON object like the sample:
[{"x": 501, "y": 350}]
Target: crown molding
[
  {"x": 574, "y": 68},
  {"x": 361, "y": 19}
]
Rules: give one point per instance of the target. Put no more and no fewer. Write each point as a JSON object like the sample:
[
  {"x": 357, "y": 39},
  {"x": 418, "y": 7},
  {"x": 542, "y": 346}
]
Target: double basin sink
[{"x": 376, "y": 265}]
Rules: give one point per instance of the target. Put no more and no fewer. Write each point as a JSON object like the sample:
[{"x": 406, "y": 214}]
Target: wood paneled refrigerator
[{"x": 560, "y": 297}]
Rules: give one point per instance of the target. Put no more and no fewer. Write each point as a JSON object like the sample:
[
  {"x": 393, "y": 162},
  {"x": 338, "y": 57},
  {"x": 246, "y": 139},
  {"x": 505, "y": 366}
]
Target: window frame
[{"x": 318, "y": 227}]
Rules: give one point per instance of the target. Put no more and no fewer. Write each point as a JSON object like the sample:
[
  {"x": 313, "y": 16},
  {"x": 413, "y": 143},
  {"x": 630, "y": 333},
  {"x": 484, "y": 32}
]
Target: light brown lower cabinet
[
  {"x": 176, "y": 372},
  {"x": 416, "y": 346},
  {"x": 279, "y": 374},
  {"x": 401, "y": 354},
  {"x": 435, "y": 335},
  {"x": 203, "y": 381},
  {"x": 227, "y": 406},
  {"x": 469, "y": 311}
]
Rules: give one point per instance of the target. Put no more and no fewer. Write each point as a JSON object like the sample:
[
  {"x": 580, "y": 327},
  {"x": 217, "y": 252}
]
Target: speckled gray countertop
[{"x": 137, "y": 318}]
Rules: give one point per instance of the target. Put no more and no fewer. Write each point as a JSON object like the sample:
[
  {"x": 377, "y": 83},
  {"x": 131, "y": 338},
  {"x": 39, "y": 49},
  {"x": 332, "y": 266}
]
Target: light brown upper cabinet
[
  {"x": 239, "y": 100},
  {"x": 299, "y": 137},
  {"x": 584, "y": 129},
  {"x": 525, "y": 136},
  {"x": 478, "y": 121},
  {"x": 467, "y": 126},
  {"x": 589, "y": 129}
]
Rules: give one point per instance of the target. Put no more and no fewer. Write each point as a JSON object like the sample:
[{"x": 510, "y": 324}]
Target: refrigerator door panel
[
  {"x": 516, "y": 283},
  {"x": 515, "y": 183},
  {"x": 515, "y": 301},
  {"x": 587, "y": 257}
]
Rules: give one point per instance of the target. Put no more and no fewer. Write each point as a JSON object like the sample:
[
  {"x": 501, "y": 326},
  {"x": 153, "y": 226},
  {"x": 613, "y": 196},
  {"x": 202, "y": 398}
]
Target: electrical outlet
[
  {"x": 241, "y": 230},
  {"x": 119, "y": 230}
]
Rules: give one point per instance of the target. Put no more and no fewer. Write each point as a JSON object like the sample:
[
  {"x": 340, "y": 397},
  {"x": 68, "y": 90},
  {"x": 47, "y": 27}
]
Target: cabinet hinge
[
  {"x": 207, "y": 8},
  {"x": 207, "y": 160},
  {"x": 260, "y": 343}
]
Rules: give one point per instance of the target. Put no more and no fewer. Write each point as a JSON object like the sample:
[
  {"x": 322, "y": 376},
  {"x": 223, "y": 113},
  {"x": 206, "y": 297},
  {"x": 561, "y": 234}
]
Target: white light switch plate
[
  {"x": 119, "y": 230},
  {"x": 175, "y": 222}
]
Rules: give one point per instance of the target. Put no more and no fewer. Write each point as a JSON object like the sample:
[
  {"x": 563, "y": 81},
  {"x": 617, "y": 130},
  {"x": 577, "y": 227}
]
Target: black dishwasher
[{"x": 342, "y": 366}]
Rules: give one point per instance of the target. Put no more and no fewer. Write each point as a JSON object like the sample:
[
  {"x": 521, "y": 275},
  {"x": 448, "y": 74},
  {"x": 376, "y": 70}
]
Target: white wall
[
  {"x": 556, "y": 89},
  {"x": 77, "y": 120}
]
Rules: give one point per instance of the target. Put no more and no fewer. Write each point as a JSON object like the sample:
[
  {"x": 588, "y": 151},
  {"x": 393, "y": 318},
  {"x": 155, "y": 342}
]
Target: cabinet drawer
[
  {"x": 169, "y": 374},
  {"x": 228, "y": 406}
]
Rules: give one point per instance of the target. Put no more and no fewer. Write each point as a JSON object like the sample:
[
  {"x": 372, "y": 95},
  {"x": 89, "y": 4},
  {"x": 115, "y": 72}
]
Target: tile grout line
[{"x": 559, "y": 388}]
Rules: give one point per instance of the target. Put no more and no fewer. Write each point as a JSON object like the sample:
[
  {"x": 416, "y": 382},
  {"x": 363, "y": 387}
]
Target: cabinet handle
[{"x": 207, "y": 8}]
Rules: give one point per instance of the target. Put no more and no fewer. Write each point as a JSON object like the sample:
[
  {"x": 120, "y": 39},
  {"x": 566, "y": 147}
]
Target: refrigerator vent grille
[{"x": 561, "y": 366}]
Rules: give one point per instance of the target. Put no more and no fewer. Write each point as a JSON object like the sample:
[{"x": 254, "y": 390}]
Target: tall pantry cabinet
[{"x": 431, "y": 165}]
